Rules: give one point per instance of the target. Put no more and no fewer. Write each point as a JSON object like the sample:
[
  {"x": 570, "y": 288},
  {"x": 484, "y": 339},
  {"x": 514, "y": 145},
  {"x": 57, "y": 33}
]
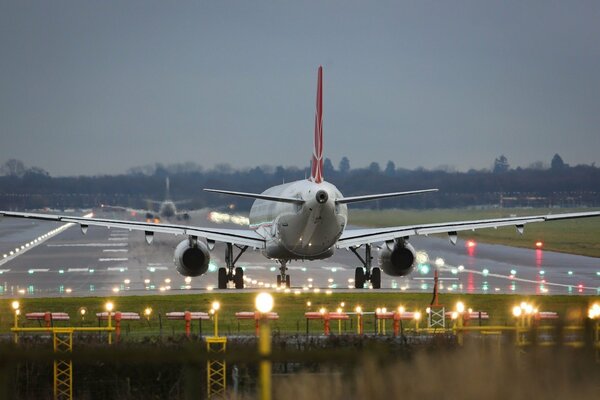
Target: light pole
[
  {"x": 147, "y": 313},
  {"x": 264, "y": 304},
  {"x": 109, "y": 307},
  {"x": 215, "y": 311},
  {"x": 16, "y": 308},
  {"x": 359, "y": 325}
]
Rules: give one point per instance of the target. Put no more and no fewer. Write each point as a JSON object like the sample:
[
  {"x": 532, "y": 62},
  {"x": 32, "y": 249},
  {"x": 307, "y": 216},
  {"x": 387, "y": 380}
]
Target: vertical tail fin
[
  {"x": 167, "y": 189},
  {"x": 317, "y": 158}
]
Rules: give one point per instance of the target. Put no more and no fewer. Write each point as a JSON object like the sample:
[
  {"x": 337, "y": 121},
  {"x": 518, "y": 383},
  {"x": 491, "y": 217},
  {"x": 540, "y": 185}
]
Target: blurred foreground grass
[{"x": 577, "y": 236}]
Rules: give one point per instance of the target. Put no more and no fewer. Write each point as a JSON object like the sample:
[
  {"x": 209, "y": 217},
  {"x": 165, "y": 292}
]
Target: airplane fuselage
[{"x": 300, "y": 231}]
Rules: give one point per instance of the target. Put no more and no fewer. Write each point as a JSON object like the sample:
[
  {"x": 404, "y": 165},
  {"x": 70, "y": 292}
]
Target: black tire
[
  {"x": 278, "y": 280},
  {"x": 222, "y": 278},
  {"x": 288, "y": 283},
  {"x": 359, "y": 278},
  {"x": 376, "y": 278},
  {"x": 238, "y": 278}
]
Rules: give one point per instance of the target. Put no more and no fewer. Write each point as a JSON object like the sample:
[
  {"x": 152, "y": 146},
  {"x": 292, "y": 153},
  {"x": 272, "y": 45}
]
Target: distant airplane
[
  {"x": 303, "y": 220},
  {"x": 167, "y": 209}
]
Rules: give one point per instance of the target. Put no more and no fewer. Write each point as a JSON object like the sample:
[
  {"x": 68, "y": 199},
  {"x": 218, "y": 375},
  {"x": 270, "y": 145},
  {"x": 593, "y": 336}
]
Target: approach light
[
  {"x": 460, "y": 307},
  {"x": 401, "y": 310},
  {"x": 264, "y": 302},
  {"x": 147, "y": 312},
  {"x": 417, "y": 315},
  {"x": 308, "y": 304},
  {"x": 358, "y": 309},
  {"x": 15, "y": 305},
  {"x": 82, "y": 311},
  {"x": 454, "y": 315},
  {"x": 322, "y": 310},
  {"x": 517, "y": 311},
  {"x": 109, "y": 306},
  {"x": 215, "y": 305},
  {"x": 339, "y": 310}
]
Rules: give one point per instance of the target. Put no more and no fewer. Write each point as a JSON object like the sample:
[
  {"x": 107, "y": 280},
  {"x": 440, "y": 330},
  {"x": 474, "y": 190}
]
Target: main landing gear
[
  {"x": 231, "y": 273},
  {"x": 366, "y": 273},
  {"x": 283, "y": 277}
]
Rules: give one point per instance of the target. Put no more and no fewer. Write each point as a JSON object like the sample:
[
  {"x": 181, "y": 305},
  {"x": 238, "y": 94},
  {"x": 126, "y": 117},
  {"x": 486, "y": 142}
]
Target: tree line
[{"x": 559, "y": 184}]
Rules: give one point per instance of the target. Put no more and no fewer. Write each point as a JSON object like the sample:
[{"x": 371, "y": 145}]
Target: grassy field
[
  {"x": 291, "y": 309},
  {"x": 579, "y": 236}
]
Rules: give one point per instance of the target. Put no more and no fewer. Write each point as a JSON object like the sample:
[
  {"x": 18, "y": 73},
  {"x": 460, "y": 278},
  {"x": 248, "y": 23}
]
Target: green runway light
[
  {"x": 91, "y": 271},
  {"x": 485, "y": 272},
  {"x": 454, "y": 271},
  {"x": 424, "y": 286},
  {"x": 570, "y": 272},
  {"x": 61, "y": 271},
  {"x": 212, "y": 267},
  {"x": 272, "y": 269},
  {"x": 92, "y": 288},
  {"x": 61, "y": 289},
  {"x": 542, "y": 272},
  {"x": 333, "y": 269},
  {"x": 423, "y": 269},
  {"x": 303, "y": 269},
  {"x": 513, "y": 271}
]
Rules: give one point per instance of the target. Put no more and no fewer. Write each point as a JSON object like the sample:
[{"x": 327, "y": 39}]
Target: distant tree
[
  {"x": 390, "y": 168},
  {"x": 344, "y": 165},
  {"x": 14, "y": 168},
  {"x": 557, "y": 162},
  {"x": 501, "y": 165},
  {"x": 374, "y": 167},
  {"x": 328, "y": 168},
  {"x": 537, "y": 166}
]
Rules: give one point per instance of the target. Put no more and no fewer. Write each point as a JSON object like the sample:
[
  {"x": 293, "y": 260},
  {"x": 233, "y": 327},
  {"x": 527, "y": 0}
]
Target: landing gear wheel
[
  {"x": 238, "y": 278},
  {"x": 222, "y": 278},
  {"x": 278, "y": 280},
  {"x": 287, "y": 282},
  {"x": 359, "y": 278},
  {"x": 376, "y": 278}
]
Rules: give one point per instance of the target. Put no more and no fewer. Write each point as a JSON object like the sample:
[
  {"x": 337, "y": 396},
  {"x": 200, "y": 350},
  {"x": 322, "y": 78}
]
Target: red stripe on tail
[{"x": 317, "y": 159}]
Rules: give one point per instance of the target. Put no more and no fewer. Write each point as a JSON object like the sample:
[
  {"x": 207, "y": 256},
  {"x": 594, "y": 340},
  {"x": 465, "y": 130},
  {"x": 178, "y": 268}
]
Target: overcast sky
[{"x": 99, "y": 87}]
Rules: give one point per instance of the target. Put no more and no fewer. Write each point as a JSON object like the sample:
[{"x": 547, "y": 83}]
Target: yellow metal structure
[
  {"x": 63, "y": 368},
  {"x": 216, "y": 370},
  {"x": 437, "y": 317},
  {"x": 264, "y": 350}
]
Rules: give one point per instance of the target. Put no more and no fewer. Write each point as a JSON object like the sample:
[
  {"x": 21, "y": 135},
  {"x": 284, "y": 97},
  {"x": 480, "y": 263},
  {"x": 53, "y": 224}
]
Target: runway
[{"x": 116, "y": 261}]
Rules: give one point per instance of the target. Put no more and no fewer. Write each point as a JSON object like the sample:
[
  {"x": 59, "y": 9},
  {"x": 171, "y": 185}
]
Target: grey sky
[{"x": 98, "y": 87}]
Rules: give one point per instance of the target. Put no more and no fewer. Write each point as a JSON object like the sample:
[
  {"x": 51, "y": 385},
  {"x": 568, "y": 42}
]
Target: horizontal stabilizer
[
  {"x": 258, "y": 196},
  {"x": 356, "y": 199}
]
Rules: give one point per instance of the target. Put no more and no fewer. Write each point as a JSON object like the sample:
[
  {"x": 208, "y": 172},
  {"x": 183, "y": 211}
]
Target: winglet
[{"x": 316, "y": 174}]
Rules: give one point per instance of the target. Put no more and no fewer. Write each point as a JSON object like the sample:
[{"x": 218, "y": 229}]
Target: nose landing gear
[{"x": 283, "y": 277}]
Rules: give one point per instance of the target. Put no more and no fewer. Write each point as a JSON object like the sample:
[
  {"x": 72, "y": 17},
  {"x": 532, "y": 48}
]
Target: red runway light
[
  {"x": 471, "y": 243},
  {"x": 539, "y": 245}
]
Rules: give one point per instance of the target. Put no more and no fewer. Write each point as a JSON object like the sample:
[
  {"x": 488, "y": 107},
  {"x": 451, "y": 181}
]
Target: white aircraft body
[{"x": 302, "y": 220}]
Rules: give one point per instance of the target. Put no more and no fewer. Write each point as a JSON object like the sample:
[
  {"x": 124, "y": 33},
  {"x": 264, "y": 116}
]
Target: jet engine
[
  {"x": 397, "y": 259},
  {"x": 191, "y": 259}
]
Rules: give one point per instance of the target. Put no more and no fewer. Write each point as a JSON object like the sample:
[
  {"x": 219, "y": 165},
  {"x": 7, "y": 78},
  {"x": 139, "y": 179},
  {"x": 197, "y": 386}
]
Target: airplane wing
[
  {"x": 356, "y": 237},
  {"x": 243, "y": 237}
]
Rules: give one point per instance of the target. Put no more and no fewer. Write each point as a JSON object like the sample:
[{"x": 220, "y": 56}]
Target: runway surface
[{"x": 115, "y": 261}]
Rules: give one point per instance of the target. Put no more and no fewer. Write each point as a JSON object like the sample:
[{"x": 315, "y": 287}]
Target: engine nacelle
[
  {"x": 191, "y": 260},
  {"x": 399, "y": 261}
]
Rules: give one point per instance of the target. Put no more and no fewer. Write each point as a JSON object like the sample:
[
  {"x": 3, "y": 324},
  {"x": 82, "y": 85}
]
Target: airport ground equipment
[
  {"x": 188, "y": 317},
  {"x": 326, "y": 317},
  {"x": 118, "y": 316},
  {"x": 48, "y": 317},
  {"x": 62, "y": 341},
  {"x": 257, "y": 317},
  {"x": 436, "y": 317}
]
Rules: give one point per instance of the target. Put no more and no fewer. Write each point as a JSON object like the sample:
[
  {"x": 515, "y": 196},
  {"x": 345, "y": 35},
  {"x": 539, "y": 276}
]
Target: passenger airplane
[
  {"x": 302, "y": 220},
  {"x": 167, "y": 208}
]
